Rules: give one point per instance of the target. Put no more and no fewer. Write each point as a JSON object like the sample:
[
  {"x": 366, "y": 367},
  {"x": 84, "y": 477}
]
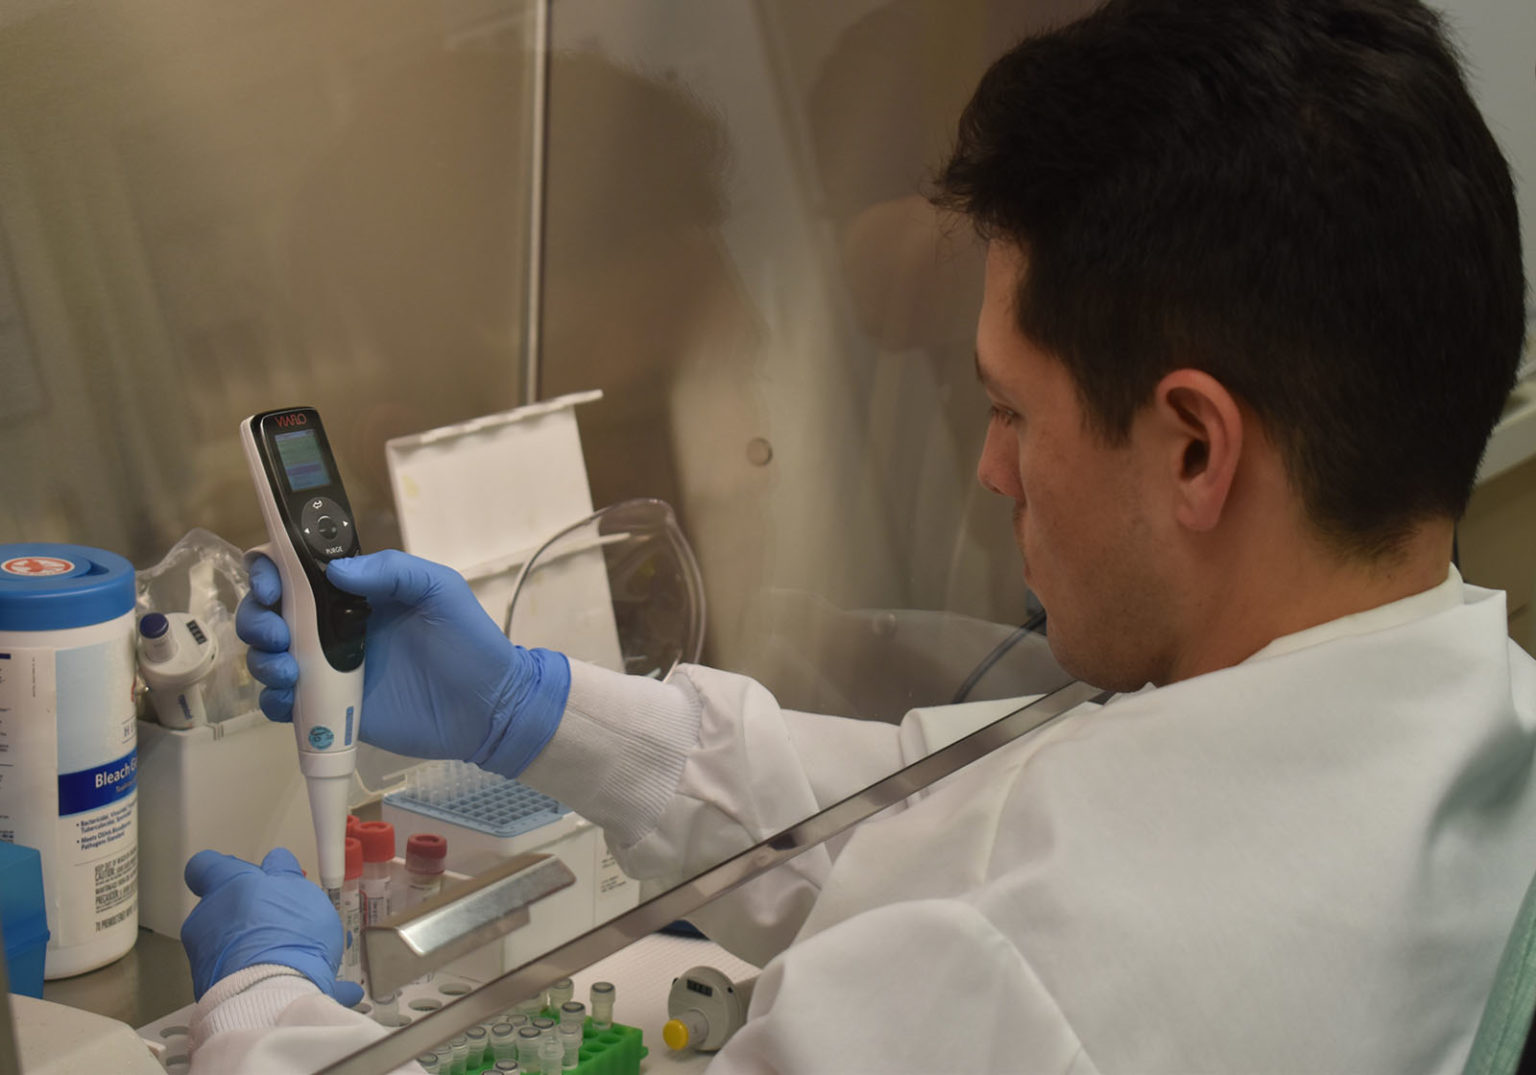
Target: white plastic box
[{"x": 233, "y": 786}]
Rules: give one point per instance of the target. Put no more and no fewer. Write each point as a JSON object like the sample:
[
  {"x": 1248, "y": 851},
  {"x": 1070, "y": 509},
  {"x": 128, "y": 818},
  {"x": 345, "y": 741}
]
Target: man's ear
[{"x": 1203, "y": 431}]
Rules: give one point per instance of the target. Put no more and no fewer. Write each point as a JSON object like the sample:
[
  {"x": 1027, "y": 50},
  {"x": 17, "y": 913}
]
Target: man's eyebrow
[{"x": 981, "y": 375}]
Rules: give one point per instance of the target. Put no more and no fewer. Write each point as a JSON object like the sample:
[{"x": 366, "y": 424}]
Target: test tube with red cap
[
  {"x": 378, "y": 838},
  {"x": 425, "y": 854},
  {"x": 352, "y": 912}
]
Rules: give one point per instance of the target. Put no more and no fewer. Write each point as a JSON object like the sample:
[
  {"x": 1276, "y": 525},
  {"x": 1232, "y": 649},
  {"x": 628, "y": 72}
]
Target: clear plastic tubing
[
  {"x": 551, "y": 1057},
  {"x": 528, "y": 1047},
  {"x": 560, "y": 992},
  {"x": 425, "y": 854},
  {"x": 570, "y": 1042},
  {"x": 504, "y": 1041},
  {"x": 352, "y": 913},
  {"x": 602, "y": 1005},
  {"x": 479, "y": 1046},
  {"x": 378, "y": 839}
]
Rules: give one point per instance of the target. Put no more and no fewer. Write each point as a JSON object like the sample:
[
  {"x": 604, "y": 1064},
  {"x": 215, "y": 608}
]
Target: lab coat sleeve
[
  {"x": 682, "y": 775},
  {"x": 953, "y": 995},
  {"x": 269, "y": 1020}
]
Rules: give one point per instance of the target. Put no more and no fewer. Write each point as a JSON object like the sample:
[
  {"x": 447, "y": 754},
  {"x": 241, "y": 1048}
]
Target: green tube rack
[{"x": 617, "y": 1050}]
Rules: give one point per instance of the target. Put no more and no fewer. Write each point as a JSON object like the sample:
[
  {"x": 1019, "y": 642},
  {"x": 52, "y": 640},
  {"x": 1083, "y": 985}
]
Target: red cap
[
  {"x": 353, "y": 821},
  {"x": 354, "y": 858},
  {"x": 424, "y": 853},
  {"x": 378, "y": 839}
]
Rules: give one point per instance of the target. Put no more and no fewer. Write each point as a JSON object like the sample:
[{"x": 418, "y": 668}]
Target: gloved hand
[
  {"x": 440, "y": 680},
  {"x": 261, "y": 914}
]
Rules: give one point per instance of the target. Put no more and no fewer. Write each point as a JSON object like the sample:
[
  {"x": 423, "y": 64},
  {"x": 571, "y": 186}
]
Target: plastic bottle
[
  {"x": 378, "y": 839},
  {"x": 504, "y": 1041},
  {"x": 602, "y": 1005},
  {"x": 479, "y": 1046},
  {"x": 551, "y": 1056},
  {"x": 352, "y": 913},
  {"x": 67, "y": 723},
  {"x": 175, "y": 656},
  {"x": 560, "y": 992},
  {"x": 528, "y": 1039},
  {"x": 425, "y": 853},
  {"x": 570, "y": 1041}
]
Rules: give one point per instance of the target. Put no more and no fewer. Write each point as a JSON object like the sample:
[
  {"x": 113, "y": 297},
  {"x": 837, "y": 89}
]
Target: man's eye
[{"x": 1001, "y": 414}]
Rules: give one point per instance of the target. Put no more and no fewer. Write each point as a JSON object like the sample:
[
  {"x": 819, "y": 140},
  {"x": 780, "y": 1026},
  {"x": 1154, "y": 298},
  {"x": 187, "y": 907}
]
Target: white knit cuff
[
  {"x": 253, "y": 997},
  {"x": 618, "y": 754}
]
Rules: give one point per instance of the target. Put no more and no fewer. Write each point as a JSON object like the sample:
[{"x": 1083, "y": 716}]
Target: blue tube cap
[{"x": 52, "y": 587}]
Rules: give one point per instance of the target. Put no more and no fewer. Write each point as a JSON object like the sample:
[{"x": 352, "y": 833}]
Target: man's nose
[{"x": 997, "y": 469}]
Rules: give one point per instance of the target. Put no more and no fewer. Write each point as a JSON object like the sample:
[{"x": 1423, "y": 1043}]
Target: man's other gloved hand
[
  {"x": 261, "y": 914},
  {"x": 440, "y": 679}
]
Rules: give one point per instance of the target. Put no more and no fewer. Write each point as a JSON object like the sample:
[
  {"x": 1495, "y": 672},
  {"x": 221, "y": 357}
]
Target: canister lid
[{"x": 51, "y": 587}]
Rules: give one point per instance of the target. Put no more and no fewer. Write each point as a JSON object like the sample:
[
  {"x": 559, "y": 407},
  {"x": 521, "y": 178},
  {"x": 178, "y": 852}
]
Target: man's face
[{"x": 1081, "y": 513}]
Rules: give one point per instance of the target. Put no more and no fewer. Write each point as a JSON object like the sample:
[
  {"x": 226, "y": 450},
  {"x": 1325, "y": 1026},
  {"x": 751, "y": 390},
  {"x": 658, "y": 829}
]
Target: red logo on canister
[{"x": 37, "y": 566}]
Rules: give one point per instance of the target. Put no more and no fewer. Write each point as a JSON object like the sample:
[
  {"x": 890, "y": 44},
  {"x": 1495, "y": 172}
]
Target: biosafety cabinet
[{"x": 413, "y": 215}]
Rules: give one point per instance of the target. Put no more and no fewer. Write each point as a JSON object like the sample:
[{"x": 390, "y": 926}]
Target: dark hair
[{"x": 1298, "y": 197}]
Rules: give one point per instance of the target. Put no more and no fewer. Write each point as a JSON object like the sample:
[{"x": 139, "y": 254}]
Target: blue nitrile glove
[
  {"x": 440, "y": 679},
  {"x": 261, "y": 914}
]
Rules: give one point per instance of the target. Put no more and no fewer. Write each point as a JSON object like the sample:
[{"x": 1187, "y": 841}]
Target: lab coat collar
[{"x": 1447, "y": 595}]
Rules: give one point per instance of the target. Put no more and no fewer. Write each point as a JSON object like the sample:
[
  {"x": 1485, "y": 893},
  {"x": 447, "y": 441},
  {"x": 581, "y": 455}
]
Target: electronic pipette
[{"x": 309, "y": 522}]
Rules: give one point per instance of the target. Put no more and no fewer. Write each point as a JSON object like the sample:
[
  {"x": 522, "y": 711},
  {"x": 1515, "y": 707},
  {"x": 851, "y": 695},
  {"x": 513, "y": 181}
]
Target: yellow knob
[{"x": 675, "y": 1034}]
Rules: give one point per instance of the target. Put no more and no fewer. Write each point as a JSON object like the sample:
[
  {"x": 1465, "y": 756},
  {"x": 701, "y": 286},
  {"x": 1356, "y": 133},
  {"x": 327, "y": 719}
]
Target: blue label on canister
[{"x": 103, "y": 785}]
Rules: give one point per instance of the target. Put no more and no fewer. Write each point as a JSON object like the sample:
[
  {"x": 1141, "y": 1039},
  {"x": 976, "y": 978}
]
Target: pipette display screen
[{"x": 303, "y": 462}]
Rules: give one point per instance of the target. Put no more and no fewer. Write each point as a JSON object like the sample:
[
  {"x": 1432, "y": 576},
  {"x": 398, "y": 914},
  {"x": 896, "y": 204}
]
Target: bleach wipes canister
[{"x": 68, "y": 760}]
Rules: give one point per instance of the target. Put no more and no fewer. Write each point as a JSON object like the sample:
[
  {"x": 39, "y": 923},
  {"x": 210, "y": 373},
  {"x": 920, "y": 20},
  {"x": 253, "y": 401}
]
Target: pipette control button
[{"x": 327, "y": 528}]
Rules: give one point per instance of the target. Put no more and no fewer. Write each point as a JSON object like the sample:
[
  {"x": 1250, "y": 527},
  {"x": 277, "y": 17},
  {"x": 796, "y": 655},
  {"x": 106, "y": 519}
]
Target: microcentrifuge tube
[
  {"x": 503, "y": 1066},
  {"x": 551, "y": 1057},
  {"x": 544, "y": 1025},
  {"x": 429, "y": 1063},
  {"x": 570, "y": 1041},
  {"x": 478, "y": 1041},
  {"x": 460, "y": 1054},
  {"x": 516, "y": 1021},
  {"x": 573, "y": 1013},
  {"x": 560, "y": 992},
  {"x": 504, "y": 1041},
  {"x": 378, "y": 839},
  {"x": 602, "y": 1005},
  {"x": 528, "y": 1038},
  {"x": 531, "y": 1007},
  {"x": 352, "y": 913}
]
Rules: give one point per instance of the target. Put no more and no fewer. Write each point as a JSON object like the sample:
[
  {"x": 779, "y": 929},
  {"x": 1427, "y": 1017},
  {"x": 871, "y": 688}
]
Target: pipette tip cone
[{"x": 328, "y": 808}]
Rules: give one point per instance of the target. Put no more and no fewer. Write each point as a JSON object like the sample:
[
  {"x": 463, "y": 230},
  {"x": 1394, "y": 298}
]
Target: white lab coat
[{"x": 1307, "y": 862}]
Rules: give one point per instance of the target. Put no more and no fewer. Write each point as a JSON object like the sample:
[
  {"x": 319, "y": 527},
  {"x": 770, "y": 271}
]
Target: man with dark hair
[{"x": 1253, "y": 301}]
